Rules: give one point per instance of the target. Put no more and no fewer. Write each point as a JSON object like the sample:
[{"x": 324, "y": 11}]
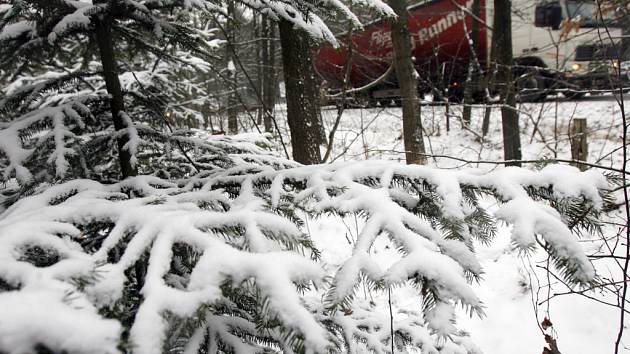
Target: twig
[
  {"x": 342, "y": 106},
  {"x": 168, "y": 125},
  {"x": 579, "y": 292},
  {"x": 501, "y": 162},
  {"x": 331, "y": 135},
  {"x": 626, "y": 264},
  {"x": 346, "y": 148},
  {"x": 258, "y": 97},
  {"x": 368, "y": 86},
  {"x": 391, "y": 316}
]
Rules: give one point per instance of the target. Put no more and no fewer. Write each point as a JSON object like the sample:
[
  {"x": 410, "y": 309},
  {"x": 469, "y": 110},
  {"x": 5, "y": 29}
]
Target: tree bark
[
  {"x": 624, "y": 22},
  {"x": 270, "y": 82},
  {"x": 472, "y": 79},
  {"x": 259, "y": 34},
  {"x": 302, "y": 94},
  {"x": 408, "y": 83},
  {"x": 502, "y": 36},
  {"x": 103, "y": 32},
  {"x": 232, "y": 101}
]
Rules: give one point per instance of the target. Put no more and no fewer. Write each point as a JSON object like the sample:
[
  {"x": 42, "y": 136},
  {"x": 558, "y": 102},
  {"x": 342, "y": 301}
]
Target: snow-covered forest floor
[
  {"x": 376, "y": 133},
  {"x": 514, "y": 288}
]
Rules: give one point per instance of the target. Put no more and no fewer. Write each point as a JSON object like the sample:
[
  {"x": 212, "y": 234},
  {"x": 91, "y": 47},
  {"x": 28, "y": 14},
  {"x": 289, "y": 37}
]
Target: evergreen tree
[
  {"x": 502, "y": 46},
  {"x": 408, "y": 83},
  {"x": 301, "y": 85}
]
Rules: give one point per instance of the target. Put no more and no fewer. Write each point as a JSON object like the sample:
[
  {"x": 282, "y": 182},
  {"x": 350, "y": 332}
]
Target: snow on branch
[
  {"x": 229, "y": 240},
  {"x": 17, "y": 29},
  {"x": 61, "y": 139},
  {"x": 303, "y": 14},
  {"x": 220, "y": 262},
  {"x": 79, "y": 19},
  {"x": 432, "y": 217},
  {"x": 46, "y": 126}
]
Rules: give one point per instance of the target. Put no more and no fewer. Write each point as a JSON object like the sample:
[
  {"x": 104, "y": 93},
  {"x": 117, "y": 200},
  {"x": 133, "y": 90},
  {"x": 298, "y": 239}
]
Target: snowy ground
[
  {"x": 376, "y": 133},
  {"x": 512, "y": 284}
]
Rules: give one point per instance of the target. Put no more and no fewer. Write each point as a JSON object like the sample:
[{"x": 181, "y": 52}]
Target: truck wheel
[
  {"x": 456, "y": 98},
  {"x": 455, "y": 94},
  {"x": 365, "y": 101},
  {"x": 573, "y": 95},
  {"x": 530, "y": 88},
  {"x": 384, "y": 102},
  {"x": 371, "y": 102}
]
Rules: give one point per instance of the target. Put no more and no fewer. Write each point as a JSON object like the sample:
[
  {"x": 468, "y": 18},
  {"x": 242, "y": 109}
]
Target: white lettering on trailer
[
  {"x": 382, "y": 38},
  {"x": 444, "y": 23}
]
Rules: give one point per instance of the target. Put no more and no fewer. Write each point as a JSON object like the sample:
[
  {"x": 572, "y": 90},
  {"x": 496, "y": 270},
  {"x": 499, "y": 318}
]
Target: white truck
[{"x": 578, "y": 41}]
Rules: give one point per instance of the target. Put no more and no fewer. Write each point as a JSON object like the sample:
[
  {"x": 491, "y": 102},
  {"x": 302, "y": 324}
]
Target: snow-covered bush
[{"x": 221, "y": 262}]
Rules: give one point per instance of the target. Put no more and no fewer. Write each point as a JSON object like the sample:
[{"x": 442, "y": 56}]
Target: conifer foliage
[{"x": 221, "y": 262}]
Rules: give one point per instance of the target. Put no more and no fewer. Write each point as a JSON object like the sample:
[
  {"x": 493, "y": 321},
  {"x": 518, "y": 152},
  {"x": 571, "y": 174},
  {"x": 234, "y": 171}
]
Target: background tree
[
  {"x": 302, "y": 93},
  {"x": 408, "y": 83},
  {"x": 230, "y": 53},
  {"x": 474, "y": 76},
  {"x": 502, "y": 47},
  {"x": 104, "y": 37},
  {"x": 270, "y": 79}
]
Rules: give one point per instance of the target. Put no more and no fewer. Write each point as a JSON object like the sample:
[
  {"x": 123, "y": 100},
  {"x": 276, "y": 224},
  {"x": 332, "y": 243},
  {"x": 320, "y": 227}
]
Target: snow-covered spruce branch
[
  {"x": 52, "y": 143},
  {"x": 104, "y": 233},
  {"x": 43, "y": 134},
  {"x": 220, "y": 261}
]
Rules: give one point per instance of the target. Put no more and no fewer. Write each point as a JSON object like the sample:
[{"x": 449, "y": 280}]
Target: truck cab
[{"x": 575, "y": 40}]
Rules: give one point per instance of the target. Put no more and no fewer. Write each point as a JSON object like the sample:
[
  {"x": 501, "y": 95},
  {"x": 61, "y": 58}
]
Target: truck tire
[
  {"x": 455, "y": 95},
  {"x": 530, "y": 77},
  {"x": 573, "y": 95},
  {"x": 530, "y": 87},
  {"x": 365, "y": 101}
]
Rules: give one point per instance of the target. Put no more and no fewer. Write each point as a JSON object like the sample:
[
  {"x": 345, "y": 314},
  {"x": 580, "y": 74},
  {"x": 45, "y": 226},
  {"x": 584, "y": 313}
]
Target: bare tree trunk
[
  {"x": 473, "y": 78},
  {"x": 258, "y": 33},
  {"x": 270, "y": 82},
  {"x": 624, "y": 22},
  {"x": 509, "y": 115},
  {"x": 207, "y": 116},
  {"x": 408, "y": 82},
  {"x": 232, "y": 101},
  {"x": 468, "y": 95},
  {"x": 103, "y": 31},
  {"x": 302, "y": 94},
  {"x": 489, "y": 86},
  {"x": 485, "y": 124}
]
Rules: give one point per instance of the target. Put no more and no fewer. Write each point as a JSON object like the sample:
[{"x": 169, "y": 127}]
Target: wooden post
[{"x": 579, "y": 144}]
